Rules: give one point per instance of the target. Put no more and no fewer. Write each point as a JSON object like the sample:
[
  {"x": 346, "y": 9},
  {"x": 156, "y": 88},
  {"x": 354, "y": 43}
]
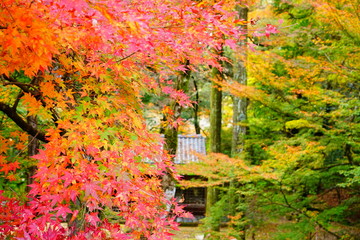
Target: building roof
[{"x": 187, "y": 146}]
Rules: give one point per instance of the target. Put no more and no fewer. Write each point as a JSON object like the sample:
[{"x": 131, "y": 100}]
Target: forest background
[{"x": 79, "y": 80}]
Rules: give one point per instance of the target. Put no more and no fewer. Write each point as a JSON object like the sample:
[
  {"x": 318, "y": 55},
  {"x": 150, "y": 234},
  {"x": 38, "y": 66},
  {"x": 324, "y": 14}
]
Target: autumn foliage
[
  {"x": 72, "y": 76},
  {"x": 298, "y": 174}
]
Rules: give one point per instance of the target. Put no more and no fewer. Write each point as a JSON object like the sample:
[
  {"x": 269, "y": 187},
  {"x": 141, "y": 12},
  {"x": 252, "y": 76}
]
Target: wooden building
[{"x": 192, "y": 198}]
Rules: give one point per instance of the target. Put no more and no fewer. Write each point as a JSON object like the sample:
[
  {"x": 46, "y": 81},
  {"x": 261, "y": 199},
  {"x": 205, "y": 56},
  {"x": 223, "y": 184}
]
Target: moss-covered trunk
[
  {"x": 240, "y": 104},
  {"x": 215, "y": 143}
]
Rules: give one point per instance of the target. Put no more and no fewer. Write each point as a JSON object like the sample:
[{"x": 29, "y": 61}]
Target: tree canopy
[
  {"x": 73, "y": 74},
  {"x": 299, "y": 171}
]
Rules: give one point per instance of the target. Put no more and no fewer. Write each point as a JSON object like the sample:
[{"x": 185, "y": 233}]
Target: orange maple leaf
[{"x": 33, "y": 105}]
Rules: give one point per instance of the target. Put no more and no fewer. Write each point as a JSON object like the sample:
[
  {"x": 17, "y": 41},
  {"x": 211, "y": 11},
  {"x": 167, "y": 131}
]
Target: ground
[{"x": 188, "y": 233}]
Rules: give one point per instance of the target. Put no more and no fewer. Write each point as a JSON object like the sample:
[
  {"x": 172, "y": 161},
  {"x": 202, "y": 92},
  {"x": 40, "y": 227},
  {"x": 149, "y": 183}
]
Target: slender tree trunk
[
  {"x": 215, "y": 114},
  {"x": 34, "y": 143},
  {"x": 240, "y": 104},
  {"x": 168, "y": 182},
  {"x": 33, "y": 149},
  {"x": 196, "y": 109},
  {"x": 215, "y": 142},
  {"x": 239, "y": 113}
]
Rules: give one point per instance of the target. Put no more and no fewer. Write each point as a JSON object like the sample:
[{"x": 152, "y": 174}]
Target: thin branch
[
  {"x": 196, "y": 108},
  {"x": 170, "y": 26},
  {"x": 21, "y": 93},
  {"x": 284, "y": 196},
  {"x": 7, "y": 9},
  {"x": 17, "y": 84},
  {"x": 25, "y": 87},
  {"x": 22, "y": 150},
  {"x": 22, "y": 86},
  {"x": 333, "y": 165},
  {"x": 288, "y": 205},
  {"x": 341, "y": 65},
  {"x": 122, "y": 59},
  {"x": 12, "y": 114}
]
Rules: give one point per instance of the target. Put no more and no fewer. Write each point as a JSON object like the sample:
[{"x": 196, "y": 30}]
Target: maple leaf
[
  {"x": 91, "y": 190},
  {"x": 93, "y": 218},
  {"x": 10, "y": 166},
  {"x": 11, "y": 177},
  {"x": 33, "y": 105},
  {"x": 63, "y": 211}
]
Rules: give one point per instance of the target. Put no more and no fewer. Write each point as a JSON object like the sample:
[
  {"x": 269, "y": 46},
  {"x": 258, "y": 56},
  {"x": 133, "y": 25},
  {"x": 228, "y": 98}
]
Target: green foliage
[
  {"x": 303, "y": 143},
  {"x": 226, "y": 135},
  {"x": 353, "y": 177},
  {"x": 294, "y": 230}
]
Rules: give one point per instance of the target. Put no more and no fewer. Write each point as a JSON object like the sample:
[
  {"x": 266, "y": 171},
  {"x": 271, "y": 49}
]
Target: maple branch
[
  {"x": 170, "y": 26},
  {"x": 304, "y": 213},
  {"x": 25, "y": 87},
  {"x": 17, "y": 84},
  {"x": 334, "y": 165},
  {"x": 22, "y": 86},
  {"x": 3, "y": 27},
  {"x": 21, "y": 93},
  {"x": 342, "y": 65},
  {"x": 11, "y": 113},
  {"x": 122, "y": 59},
  {"x": 257, "y": 43}
]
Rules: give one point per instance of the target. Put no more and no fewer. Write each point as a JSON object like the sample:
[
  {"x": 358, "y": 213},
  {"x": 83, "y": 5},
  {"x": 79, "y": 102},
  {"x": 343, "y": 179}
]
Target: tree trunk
[
  {"x": 215, "y": 114},
  {"x": 196, "y": 109},
  {"x": 34, "y": 144},
  {"x": 168, "y": 181},
  {"x": 33, "y": 149},
  {"x": 215, "y": 142},
  {"x": 240, "y": 104},
  {"x": 239, "y": 113}
]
